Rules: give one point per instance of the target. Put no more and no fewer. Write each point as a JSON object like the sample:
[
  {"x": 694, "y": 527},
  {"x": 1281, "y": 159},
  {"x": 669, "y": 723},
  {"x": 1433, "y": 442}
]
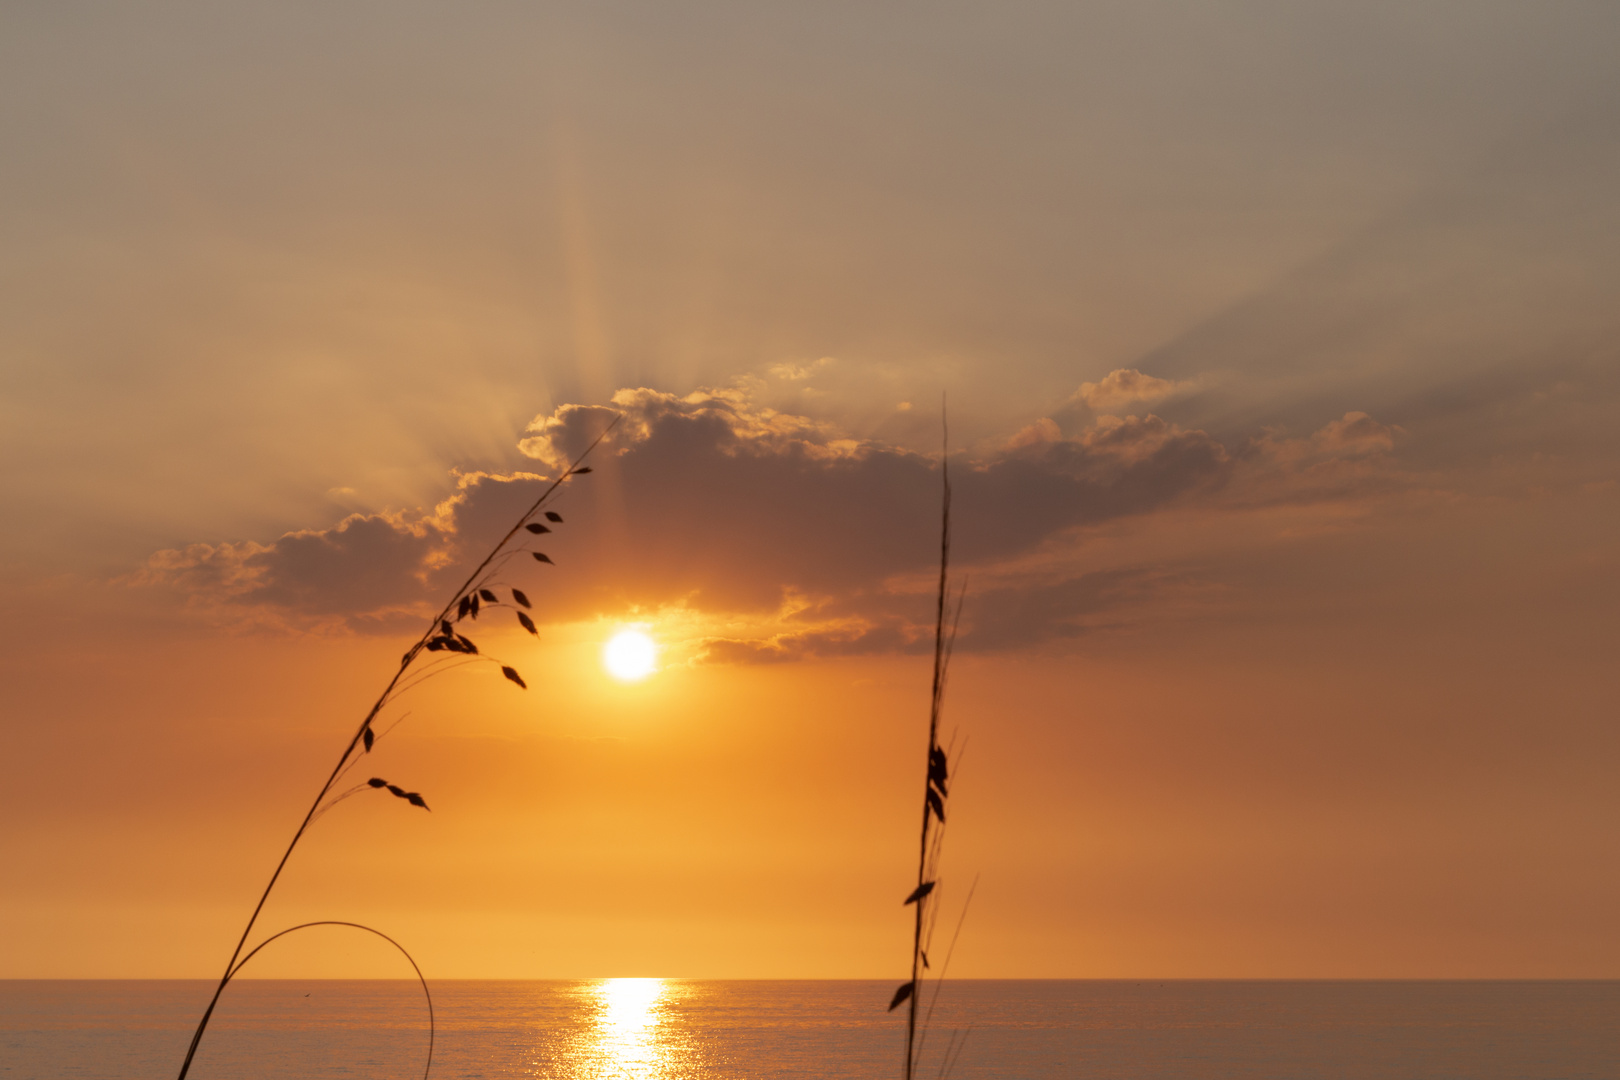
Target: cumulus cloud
[
  {"x": 1354, "y": 439},
  {"x": 1350, "y": 459},
  {"x": 714, "y": 503},
  {"x": 729, "y": 420},
  {"x": 367, "y": 569},
  {"x": 1356, "y": 433},
  {"x": 1124, "y": 388}
]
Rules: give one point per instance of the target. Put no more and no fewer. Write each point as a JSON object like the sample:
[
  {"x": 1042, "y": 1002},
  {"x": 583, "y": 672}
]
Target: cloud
[
  {"x": 861, "y": 638},
  {"x": 716, "y": 504},
  {"x": 1356, "y": 433},
  {"x": 367, "y": 570},
  {"x": 998, "y": 616},
  {"x": 1033, "y": 612},
  {"x": 728, "y": 419},
  {"x": 777, "y": 500},
  {"x": 1126, "y": 387}
]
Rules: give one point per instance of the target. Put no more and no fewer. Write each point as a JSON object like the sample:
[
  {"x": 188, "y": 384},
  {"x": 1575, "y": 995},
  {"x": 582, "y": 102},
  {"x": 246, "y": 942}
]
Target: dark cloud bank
[{"x": 714, "y": 503}]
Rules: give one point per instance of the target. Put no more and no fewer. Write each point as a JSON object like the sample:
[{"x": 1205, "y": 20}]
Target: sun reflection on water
[
  {"x": 619, "y": 1029},
  {"x": 628, "y": 1014}
]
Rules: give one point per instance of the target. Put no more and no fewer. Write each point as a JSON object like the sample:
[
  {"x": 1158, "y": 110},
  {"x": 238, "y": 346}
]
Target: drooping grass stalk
[
  {"x": 935, "y": 784},
  {"x": 440, "y": 636},
  {"x": 432, "y": 1026}
]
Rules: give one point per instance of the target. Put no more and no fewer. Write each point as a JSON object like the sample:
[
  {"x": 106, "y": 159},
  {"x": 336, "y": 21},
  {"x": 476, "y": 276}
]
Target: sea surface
[{"x": 667, "y": 1029}]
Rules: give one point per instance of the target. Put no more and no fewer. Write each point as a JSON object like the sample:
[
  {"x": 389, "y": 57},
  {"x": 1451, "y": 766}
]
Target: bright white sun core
[{"x": 630, "y": 656}]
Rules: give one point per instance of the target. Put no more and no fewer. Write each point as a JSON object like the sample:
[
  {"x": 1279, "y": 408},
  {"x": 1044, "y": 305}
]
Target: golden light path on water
[
  {"x": 628, "y": 1015},
  {"x": 620, "y": 1029}
]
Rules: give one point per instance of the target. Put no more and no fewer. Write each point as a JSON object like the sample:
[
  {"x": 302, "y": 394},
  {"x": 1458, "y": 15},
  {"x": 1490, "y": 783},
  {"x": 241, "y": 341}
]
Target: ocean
[{"x": 670, "y": 1029}]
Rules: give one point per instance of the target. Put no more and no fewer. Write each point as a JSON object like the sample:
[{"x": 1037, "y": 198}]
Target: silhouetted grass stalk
[
  {"x": 944, "y": 969},
  {"x": 440, "y": 636},
  {"x": 936, "y": 794},
  {"x": 432, "y": 1026}
]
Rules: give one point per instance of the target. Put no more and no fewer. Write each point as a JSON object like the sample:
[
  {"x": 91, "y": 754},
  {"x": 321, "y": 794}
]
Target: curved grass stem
[{"x": 432, "y": 1026}]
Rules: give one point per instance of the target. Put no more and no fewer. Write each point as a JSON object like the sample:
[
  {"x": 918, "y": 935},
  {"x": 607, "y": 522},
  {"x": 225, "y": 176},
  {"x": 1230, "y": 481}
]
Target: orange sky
[{"x": 1281, "y": 354}]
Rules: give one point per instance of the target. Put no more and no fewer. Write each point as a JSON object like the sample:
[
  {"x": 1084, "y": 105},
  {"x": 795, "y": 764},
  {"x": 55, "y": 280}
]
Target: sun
[{"x": 630, "y": 656}]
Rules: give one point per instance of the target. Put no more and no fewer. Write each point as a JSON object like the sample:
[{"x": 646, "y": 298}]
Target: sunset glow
[{"x": 1269, "y": 350}]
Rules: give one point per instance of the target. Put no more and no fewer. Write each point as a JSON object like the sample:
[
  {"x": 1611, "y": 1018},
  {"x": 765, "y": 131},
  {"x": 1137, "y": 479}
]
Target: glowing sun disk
[{"x": 630, "y": 655}]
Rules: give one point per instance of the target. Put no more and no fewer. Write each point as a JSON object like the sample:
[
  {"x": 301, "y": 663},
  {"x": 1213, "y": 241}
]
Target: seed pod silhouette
[
  {"x": 528, "y": 624},
  {"x": 536, "y": 528},
  {"x": 936, "y": 804},
  {"x": 552, "y": 515},
  {"x": 463, "y": 606},
  {"x": 489, "y": 597},
  {"x": 377, "y": 781},
  {"x": 521, "y": 597},
  {"x": 583, "y": 471},
  {"x": 541, "y": 557},
  {"x": 473, "y": 607},
  {"x": 396, "y": 790},
  {"x": 900, "y": 995},
  {"x": 511, "y": 673},
  {"x": 444, "y": 624},
  {"x": 366, "y": 736},
  {"x": 919, "y": 892},
  {"x": 416, "y": 800},
  {"x": 466, "y": 645}
]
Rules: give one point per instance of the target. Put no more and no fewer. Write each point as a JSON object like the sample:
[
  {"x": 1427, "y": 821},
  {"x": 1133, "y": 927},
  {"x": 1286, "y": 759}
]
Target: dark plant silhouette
[
  {"x": 476, "y": 594},
  {"x": 432, "y": 1027},
  {"x": 936, "y": 796}
]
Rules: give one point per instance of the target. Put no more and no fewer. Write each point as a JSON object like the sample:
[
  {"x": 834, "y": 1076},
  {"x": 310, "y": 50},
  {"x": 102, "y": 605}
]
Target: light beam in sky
[{"x": 630, "y": 656}]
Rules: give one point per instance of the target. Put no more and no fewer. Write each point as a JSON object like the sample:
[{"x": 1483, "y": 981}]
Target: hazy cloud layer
[{"x": 712, "y": 502}]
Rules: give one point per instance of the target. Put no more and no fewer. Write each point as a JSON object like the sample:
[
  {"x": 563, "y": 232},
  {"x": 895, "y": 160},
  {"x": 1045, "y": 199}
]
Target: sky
[{"x": 1282, "y": 376}]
